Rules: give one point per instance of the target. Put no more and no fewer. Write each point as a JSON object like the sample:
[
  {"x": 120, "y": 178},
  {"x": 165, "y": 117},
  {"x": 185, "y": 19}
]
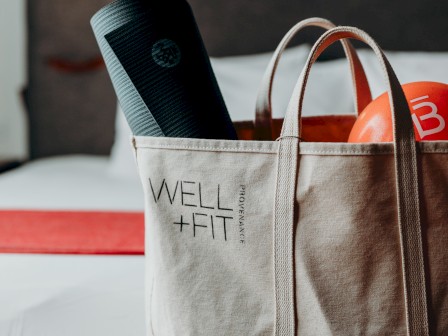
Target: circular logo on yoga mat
[{"x": 166, "y": 53}]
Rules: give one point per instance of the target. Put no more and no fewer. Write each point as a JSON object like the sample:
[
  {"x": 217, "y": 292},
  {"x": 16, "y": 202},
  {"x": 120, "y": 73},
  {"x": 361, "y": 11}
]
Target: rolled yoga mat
[{"x": 160, "y": 69}]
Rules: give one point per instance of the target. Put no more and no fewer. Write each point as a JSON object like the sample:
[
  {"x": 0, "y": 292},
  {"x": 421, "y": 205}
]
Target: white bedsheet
[
  {"x": 78, "y": 182},
  {"x": 71, "y": 295},
  {"x": 63, "y": 295}
]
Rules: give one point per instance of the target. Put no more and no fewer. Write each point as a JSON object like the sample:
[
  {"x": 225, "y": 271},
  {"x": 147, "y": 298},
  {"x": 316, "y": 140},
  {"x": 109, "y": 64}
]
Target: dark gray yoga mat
[{"x": 160, "y": 70}]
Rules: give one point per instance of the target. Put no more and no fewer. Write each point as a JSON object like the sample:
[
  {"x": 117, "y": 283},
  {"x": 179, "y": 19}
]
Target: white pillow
[
  {"x": 122, "y": 162},
  {"x": 409, "y": 67},
  {"x": 329, "y": 89},
  {"x": 13, "y": 123},
  {"x": 239, "y": 78}
]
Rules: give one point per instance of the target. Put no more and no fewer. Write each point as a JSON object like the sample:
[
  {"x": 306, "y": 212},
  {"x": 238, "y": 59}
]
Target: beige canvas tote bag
[
  {"x": 289, "y": 237},
  {"x": 253, "y": 246}
]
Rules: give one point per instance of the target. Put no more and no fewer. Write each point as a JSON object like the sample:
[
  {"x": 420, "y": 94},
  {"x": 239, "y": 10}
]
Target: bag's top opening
[{"x": 330, "y": 128}]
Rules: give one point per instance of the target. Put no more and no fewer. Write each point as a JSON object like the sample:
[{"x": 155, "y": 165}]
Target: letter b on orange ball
[{"x": 428, "y": 103}]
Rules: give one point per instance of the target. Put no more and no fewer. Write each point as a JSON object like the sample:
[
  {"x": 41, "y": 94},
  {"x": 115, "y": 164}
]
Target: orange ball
[{"x": 428, "y": 103}]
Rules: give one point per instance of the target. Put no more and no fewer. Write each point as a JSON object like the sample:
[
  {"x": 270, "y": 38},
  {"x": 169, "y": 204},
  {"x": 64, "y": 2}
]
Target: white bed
[
  {"x": 77, "y": 182},
  {"x": 54, "y": 295}
]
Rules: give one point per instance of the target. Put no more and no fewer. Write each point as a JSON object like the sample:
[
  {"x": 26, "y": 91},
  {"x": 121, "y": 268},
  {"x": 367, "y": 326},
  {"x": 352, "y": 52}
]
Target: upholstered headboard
[{"x": 70, "y": 98}]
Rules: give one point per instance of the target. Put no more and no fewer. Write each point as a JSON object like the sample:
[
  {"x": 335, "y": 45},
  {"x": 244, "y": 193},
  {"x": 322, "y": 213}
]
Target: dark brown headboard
[
  {"x": 237, "y": 27},
  {"x": 71, "y": 101}
]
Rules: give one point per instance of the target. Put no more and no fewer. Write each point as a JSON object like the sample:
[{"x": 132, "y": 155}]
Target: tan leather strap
[
  {"x": 263, "y": 116},
  {"x": 405, "y": 168}
]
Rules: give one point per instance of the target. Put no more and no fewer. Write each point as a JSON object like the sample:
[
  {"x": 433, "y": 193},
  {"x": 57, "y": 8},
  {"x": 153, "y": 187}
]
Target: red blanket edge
[{"x": 71, "y": 232}]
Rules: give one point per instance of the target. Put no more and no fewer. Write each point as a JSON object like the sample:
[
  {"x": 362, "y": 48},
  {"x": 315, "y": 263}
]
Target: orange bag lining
[{"x": 332, "y": 128}]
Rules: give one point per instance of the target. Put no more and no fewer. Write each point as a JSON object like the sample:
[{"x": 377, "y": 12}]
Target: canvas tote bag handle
[
  {"x": 263, "y": 113},
  {"x": 405, "y": 155}
]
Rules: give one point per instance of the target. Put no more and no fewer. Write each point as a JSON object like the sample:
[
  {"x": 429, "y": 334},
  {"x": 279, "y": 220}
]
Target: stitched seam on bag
[
  {"x": 305, "y": 152},
  {"x": 273, "y": 151},
  {"x": 330, "y": 152},
  {"x": 267, "y": 151}
]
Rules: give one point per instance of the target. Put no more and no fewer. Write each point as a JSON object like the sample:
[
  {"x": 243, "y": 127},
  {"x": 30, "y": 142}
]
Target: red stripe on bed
[{"x": 71, "y": 232}]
